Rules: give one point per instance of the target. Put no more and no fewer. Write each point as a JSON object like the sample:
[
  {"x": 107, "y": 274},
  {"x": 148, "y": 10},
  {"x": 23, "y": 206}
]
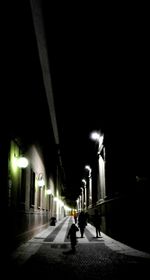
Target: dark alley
[{"x": 74, "y": 139}]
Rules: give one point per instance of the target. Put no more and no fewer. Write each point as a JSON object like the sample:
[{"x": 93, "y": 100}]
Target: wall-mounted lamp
[
  {"x": 22, "y": 162},
  {"x": 40, "y": 180},
  {"x": 99, "y": 138},
  {"x": 49, "y": 192},
  {"x": 87, "y": 167},
  {"x": 84, "y": 181}
]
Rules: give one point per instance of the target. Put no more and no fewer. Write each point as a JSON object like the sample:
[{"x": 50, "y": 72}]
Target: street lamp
[
  {"x": 96, "y": 136},
  {"x": 82, "y": 198},
  {"x": 87, "y": 167},
  {"x": 99, "y": 138},
  {"x": 80, "y": 202},
  {"x": 40, "y": 180},
  {"x": 22, "y": 162},
  {"x": 85, "y": 194}
]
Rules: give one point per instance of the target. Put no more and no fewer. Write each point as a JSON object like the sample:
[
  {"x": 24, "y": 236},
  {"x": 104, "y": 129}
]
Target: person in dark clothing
[
  {"x": 52, "y": 221},
  {"x": 97, "y": 223},
  {"x": 72, "y": 235},
  {"x": 75, "y": 217},
  {"x": 82, "y": 222}
]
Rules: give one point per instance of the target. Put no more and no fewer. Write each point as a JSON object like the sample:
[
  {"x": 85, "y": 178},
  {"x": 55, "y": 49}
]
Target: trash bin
[{"x": 52, "y": 221}]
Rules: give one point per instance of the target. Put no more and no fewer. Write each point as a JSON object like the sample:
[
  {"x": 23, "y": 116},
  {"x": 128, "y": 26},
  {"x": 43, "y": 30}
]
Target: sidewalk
[
  {"x": 29, "y": 248},
  {"x": 48, "y": 254}
]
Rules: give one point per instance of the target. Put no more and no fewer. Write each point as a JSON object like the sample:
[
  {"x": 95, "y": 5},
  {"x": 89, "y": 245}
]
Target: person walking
[
  {"x": 75, "y": 217},
  {"x": 82, "y": 222},
  {"x": 97, "y": 223},
  {"x": 72, "y": 235}
]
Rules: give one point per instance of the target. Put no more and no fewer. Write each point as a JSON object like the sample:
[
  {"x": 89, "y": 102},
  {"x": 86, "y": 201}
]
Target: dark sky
[
  {"x": 99, "y": 63},
  {"x": 100, "y": 75}
]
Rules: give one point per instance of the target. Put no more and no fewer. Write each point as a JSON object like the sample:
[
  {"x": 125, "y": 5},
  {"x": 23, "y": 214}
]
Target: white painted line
[{"x": 60, "y": 237}]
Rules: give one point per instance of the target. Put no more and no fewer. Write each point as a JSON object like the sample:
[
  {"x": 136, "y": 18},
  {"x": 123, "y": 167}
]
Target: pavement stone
[{"x": 103, "y": 258}]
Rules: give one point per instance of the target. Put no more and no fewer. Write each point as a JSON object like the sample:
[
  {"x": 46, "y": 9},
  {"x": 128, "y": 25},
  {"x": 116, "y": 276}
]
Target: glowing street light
[
  {"x": 82, "y": 198},
  {"x": 99, "y": 138},
  {"x": 22, "y": 162},
  {"x": 40, "y": 180},
  {"x": 85, "y": 194},
  {"x": 84, "y": 181},
  {"x": 49, "y": 192},
  {"x": 87, "y": 167}
]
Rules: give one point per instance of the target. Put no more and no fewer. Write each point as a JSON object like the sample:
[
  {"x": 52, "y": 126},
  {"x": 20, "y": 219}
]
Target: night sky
[
  {"x": 99, "y": 67},
  {"x": 99, "y": 63}
]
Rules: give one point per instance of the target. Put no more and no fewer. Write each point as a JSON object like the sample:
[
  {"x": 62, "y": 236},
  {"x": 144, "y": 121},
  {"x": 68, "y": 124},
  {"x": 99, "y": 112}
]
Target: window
[
  {"x": 23, "y": 185},
  {"x": 32, "y": 188},
  {"x": 39, "y": 197}
]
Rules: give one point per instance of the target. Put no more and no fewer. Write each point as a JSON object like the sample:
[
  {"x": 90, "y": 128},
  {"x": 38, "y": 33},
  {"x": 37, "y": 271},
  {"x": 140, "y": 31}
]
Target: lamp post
[
  {"x": 77, "y": 203},
  {"x": 99, "y": 138},
  {"x": 85, "y": 195},
  {"x": 87, "y": 167},
  {"x": 82, "y": 199},
  {"x": 80, "y": 202}
]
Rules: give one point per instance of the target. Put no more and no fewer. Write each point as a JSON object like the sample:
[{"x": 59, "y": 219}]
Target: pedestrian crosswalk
[
  {"x": 58, "y": 234},
  {"x": 50, "y": 253},
  {"x": 55, "y": 237}
]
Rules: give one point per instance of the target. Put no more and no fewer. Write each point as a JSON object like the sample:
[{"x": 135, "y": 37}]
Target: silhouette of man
[
  {"x": 97, "y": 223},
  {"x": 72, "y": 235},
  {"x": 82, "y": 223}
]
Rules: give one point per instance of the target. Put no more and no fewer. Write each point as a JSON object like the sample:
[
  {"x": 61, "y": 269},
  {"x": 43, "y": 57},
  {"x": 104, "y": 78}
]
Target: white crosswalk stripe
[
  {"x": 32, "y": 246},
  {"x": 60, "y": 237}
]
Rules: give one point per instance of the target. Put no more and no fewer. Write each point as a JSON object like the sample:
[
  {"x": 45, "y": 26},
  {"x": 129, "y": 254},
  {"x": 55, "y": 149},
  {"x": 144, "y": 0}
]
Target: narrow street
[{"x": 48, "y": 254}]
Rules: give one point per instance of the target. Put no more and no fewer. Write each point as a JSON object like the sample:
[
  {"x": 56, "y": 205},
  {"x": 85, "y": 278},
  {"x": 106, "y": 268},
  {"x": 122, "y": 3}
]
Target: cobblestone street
[
  {"x": 91, "y": 261},
  {"x": 102, "y": 258}
]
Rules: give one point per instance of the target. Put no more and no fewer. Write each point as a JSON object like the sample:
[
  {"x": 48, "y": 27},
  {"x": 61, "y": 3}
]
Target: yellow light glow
[
  {"x": 49, "y": 191},
  {"x": 41, "y": 182}
]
